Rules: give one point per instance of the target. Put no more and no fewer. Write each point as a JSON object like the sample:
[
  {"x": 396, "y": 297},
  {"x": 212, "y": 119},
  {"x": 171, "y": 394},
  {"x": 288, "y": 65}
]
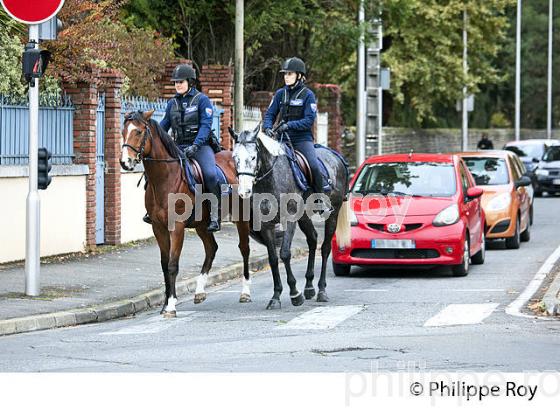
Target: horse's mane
[
  {"x": 172, "y": 148},
  {"x": 166, "y": 140}
]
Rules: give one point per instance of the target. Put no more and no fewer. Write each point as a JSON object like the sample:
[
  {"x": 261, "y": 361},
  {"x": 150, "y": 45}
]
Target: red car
[{"x": 413, "y": 209}]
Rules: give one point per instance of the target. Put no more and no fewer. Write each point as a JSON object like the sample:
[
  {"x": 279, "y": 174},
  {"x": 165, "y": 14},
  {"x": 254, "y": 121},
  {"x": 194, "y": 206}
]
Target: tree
[{"x": 94, "y": 37}]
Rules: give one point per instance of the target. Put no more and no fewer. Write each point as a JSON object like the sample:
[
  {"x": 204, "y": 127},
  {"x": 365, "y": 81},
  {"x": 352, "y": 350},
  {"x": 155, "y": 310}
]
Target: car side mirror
[
  {"x": 523, "y": 181},
  {"x": 474, "y": 192}
]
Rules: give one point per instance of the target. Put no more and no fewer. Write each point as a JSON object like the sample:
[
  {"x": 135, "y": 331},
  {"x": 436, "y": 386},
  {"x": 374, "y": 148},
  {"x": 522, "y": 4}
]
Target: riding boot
[{"x": 215, "y": 220}]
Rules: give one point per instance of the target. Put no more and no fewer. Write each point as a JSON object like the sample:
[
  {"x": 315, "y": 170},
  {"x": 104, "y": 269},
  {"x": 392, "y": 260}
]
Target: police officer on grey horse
[
  {"x": 189, "y": 115},
  {"x": 295, "y": 108}
]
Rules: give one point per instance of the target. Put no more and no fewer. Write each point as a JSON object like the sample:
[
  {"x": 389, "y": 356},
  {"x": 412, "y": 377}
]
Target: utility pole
[
  {"x": 465, "y": 123},
  {"x": 518, "y": 72},
  {"x": 549, "y": 90},
  {"x": 33, "y": 219},
  {"x": 360, "y": 140},
  {"x": 239, "y": 61}
]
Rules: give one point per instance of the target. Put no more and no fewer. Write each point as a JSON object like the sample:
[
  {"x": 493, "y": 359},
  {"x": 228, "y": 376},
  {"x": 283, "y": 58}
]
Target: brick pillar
[
  {"x": 261, "y": 100},
  {"x": 165, "y": 86},
  {"x": 328, "y": 96},
  {"x": 217, "y": 84},
  {"x": 84, "y": 97},
  {"x": 111, "y": 84}
]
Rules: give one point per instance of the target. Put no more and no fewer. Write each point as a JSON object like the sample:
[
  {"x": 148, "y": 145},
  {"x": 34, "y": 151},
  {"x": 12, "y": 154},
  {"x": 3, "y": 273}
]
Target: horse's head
[
  {"x": 136, "y": 139},
  {"x": 248, "y": 157}
]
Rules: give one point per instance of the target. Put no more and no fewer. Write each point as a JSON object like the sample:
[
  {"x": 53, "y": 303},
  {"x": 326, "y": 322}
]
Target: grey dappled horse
[{"x": 263, "y": 168}]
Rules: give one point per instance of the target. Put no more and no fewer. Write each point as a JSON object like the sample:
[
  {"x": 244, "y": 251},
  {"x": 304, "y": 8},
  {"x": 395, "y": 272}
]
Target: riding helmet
[
  {"x": 183, "y": 72},
  {"x": 294, "y": 64}
]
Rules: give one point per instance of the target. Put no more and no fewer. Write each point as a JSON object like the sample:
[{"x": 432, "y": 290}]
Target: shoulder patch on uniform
[
  {"x": 209, "y": 112},
  {"x": 313, "y": 107}
]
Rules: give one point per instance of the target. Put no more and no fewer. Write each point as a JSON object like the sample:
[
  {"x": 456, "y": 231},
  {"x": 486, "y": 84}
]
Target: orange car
[{"x": 508, "y": 196}]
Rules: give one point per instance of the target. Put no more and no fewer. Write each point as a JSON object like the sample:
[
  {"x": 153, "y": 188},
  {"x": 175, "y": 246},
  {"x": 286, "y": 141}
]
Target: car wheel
[
  {"x": 538, "y": 194},
  {"x": 526, "y": 234},
  {"x": 463, "y": 268},
  {"x": 515, "y": 240},
  {"x": 531, "y": 215},
  {"x": 341, "y": 269},
  {"x": 478, "y": 258}
]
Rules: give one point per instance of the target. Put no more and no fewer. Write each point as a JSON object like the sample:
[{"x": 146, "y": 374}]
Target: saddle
[
  {"x": 302, "y": 171},
  {"x": 193, "y": 172}
]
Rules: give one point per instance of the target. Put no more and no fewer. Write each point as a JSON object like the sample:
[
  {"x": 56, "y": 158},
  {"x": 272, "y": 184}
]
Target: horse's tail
[{"x": 343, "y": 231}]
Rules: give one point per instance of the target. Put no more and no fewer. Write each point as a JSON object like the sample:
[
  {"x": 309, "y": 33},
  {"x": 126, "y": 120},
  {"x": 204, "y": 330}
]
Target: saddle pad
[
  {"x": 300, "y": 177},
  {"x": 192, "y": 181}
]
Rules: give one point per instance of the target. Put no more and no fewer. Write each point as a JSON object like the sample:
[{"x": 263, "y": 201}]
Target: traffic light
[
  {"x": 35, "y": 62},
  {"x": 44, "y": 179}
]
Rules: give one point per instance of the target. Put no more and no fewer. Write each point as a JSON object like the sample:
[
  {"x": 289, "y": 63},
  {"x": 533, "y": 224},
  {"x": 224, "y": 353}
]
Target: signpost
[{"x": 33, "y": 13}]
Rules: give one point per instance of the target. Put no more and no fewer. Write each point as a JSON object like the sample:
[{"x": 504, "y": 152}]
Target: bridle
[
  {"x": 146, "y": 134},
  {"x": 259, "y": 178}
]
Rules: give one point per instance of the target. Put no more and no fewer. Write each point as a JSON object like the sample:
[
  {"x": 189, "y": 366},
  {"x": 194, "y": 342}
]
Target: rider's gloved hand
[
  {"x": 191, "y": 150},
  {"x": 282, "y": 128},
  {"x": 269, "y": 132}
]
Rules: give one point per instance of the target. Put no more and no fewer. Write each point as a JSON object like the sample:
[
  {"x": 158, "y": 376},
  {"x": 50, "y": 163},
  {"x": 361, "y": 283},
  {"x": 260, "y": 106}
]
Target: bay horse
[
  {"x": 264, "y": 168},
  {"x": 145, "y": 141}
]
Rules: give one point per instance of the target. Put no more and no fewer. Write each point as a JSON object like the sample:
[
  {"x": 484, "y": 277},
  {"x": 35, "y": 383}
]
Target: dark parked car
[{"x": 548, "y": 171}]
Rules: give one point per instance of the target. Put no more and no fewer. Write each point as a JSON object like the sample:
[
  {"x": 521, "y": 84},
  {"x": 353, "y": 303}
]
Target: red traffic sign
[{"x": 32, "y": 11}]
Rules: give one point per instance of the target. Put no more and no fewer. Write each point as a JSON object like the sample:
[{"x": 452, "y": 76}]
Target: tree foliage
[{"x": 94, "y": 37}]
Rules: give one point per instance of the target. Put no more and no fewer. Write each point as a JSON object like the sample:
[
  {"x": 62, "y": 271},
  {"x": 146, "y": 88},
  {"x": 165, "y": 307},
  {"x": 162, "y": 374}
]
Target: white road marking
[
  {"x": 325, "y": 317},
  {"x": 153, "y": 325},
  {"x": 366, "y": 290},
  {"x": 462, "y": 314},
  {"x": 514, "y": 308},
  {"x": 476, "y": 290}
]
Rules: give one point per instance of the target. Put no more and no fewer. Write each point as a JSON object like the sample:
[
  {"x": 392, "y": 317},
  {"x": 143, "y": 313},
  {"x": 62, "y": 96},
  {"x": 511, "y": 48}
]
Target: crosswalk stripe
[
  {"x": 366, "y": 290},
  {"x": 462, "y": 314},
  {"x": 153, "y": 325},
  {"x": 325, "y": 317}
]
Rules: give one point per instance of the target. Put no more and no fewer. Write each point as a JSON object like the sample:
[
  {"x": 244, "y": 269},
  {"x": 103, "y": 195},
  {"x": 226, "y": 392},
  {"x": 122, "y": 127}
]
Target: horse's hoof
[
  {"x": 274, "y": 304},
  {"x": 199, "y": 298},
  {"x": 170, "y": 314},
  {"x": 309, "y": 293},
  {"x": 245, "y": 298},
  {"x": 322, "y": 296},
  {"x": 162, "y": 311},
  {"x": 298, "y": 300}
]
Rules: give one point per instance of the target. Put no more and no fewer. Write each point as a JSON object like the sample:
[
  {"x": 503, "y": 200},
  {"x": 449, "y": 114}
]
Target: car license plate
[
  {"x": 556, "y": 181},
  {"x": 393, "y": 244}
]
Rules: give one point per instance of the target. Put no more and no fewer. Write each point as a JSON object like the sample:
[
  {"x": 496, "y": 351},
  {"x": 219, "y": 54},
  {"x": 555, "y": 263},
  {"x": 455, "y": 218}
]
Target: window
[{"x": 488, "y": 170}]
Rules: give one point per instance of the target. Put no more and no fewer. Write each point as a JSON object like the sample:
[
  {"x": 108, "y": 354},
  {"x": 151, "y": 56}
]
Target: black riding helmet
[
  {"x": 294, "y": 64},
  {"x": 183, "y": 72}
]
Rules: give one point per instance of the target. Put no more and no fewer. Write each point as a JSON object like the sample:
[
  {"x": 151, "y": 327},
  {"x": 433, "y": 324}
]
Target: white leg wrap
[{"x": 201, "y": 283}]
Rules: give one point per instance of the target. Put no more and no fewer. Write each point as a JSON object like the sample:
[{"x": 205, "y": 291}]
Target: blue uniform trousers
[{"x": 205, "y": 157}]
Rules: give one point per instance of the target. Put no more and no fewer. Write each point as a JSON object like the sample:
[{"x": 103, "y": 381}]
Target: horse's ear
[
  {"x": 257, "y": 129},
  {"x": 233, "y": 134},
  {"x": 147, "y": 115}
]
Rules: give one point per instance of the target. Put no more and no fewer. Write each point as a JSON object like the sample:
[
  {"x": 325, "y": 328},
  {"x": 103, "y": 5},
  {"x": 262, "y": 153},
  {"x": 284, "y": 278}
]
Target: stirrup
[
  {"x": 214, "y": 226},
  {"x": 147, "y": 219}
]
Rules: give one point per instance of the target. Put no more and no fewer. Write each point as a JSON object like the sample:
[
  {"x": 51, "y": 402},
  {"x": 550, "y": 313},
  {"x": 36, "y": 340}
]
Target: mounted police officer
[
  {"x": 189, "y": 115},
  {"x": 295, "y": 108}
]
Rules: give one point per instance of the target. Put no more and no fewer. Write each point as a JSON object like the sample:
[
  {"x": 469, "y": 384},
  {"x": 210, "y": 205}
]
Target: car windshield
[
  {"x": 527, "y": 150},
  {"x": 552, "y": 154},
  {"x": 488, "y": 171},
  {"x": 407, "y": 178}
]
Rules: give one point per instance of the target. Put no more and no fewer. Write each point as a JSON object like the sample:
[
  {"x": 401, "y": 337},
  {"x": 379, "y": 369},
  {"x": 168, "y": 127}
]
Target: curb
[
  {"x": 551, "y": 298},
  {"x": 128, "y": 306}
]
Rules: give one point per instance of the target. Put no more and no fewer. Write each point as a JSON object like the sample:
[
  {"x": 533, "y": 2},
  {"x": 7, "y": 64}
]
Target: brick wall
[
  {"x": 261, "y": 100},
  {"x": 217, "y": 83},
  {"x": 84, "y": 98},
  {"x": 328, "y": 99},
  {"x": 112, "y": 82}
]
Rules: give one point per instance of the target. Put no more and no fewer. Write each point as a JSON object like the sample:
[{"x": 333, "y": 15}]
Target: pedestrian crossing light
[
  {"x": 44, "y": 179},
  {"x": 35, "y": 62}
]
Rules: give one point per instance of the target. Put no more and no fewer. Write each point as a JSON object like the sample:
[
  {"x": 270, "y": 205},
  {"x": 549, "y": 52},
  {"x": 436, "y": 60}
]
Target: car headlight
[
  {"x": 499, "y": 202},
  {"x": 541, "y": 172},
  {"x": 353, "y": 218},
  {"x": 448, "y": 216}
]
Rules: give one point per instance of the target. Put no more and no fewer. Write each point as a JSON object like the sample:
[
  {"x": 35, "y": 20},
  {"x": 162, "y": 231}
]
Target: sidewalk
[{"x": 92, "y": 288}]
